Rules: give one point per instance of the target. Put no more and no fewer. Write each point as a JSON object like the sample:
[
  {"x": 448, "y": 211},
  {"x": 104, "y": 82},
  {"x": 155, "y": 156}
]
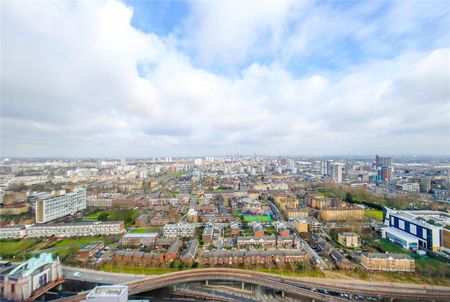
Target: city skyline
[{"x": 143, "y": 79}]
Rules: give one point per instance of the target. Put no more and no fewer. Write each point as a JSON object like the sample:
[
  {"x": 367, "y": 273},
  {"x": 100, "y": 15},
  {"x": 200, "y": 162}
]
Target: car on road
[{"x": 77, "y": 274}]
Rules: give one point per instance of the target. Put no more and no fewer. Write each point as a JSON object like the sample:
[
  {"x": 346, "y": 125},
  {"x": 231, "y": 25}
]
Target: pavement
[
  {"x": 314, "y": 256},
  {"x": 99, "y": 276}
]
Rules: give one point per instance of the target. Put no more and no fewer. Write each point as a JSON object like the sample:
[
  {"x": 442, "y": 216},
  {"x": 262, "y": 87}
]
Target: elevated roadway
[
  {"x": 300, "y": 286},
  {"x": 87, "y": 275}
]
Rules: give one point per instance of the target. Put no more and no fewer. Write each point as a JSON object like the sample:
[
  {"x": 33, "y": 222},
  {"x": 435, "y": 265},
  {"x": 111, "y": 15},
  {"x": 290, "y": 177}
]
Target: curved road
[{"x": 301, "y": 286}]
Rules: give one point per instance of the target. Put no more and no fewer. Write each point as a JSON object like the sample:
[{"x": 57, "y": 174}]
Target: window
[
  {"x": 424, "y": 233},
  {"x": 401, "y": 224},
  {"x": 413, "y": 229}
]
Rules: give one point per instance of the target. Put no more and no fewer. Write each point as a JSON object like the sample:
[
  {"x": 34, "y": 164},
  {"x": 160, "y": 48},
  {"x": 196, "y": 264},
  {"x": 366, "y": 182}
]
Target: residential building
[
  {"x": 76, "y": 229},
  {"x": 142, "y": 220},
  {"x": 192, "y": 215},
  {"x": 208, "y": 232},
  {"x": 56, "y": 205},
  {"x": 300, "y": 224},
  {"x": 349, "y": 239},
  {"x": 12, "y": 231},
  {"x": 425, "y": 184},
  {"x": 317, "y": 201},
  {"x": 258, "y": 230},
  {"x": 271, "y": 257},
  {"x": 342, "y": 213},
  {"x": 179, "y": 230},
  {"x": 296, "y": 212},
  {"x": 147, "y": 239},
  {"x": 190, "y": 253},
  {"x": 336, "y": 172},
  {"x": 89, "y": 250},
  {"x": 387, "y": 262}
]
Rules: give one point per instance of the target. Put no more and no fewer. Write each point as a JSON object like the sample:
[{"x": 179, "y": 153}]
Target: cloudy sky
[{"x": 135, "y": 78}]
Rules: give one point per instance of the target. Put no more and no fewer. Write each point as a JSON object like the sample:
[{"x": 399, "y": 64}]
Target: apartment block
[
  {"x": 76, "y": 229},
  {"x": 56, "y": 205},
  {"x": 147, "y": 239},
  {"x": 179, "y": 230},
  {"x": 341, "y": 213},
  {"x": 349, "y": 239},
  {"x": 388, "y": 262}
]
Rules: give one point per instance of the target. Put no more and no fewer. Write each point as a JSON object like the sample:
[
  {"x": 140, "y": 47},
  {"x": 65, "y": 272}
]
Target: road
[
  {"x": 316, "y": 259},
  {"x": 307, "y": 287},
  {"x": 99, "y": 276}
]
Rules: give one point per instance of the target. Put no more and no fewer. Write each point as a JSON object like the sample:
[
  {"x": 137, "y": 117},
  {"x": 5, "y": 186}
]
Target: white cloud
[{"x": 70, "y": 86}]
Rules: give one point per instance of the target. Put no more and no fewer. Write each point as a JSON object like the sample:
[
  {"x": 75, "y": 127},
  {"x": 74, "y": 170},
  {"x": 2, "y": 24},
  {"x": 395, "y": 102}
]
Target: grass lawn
[
  {"x": 290, "y": 273},
  {"x": 128, "y": 216},
  {"x": 146, "y": 230},
  {"x": 93, "y": 215},
  {"x": 137, "y": 269},
  {"x": 376, "y": 214},
  {"x": 9, "y": 248},
  {"x": 78, "y": 241},
  {"x": 260, "y": 218}
]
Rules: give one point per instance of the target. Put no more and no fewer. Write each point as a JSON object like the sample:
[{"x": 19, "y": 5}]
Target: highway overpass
[{"x": 290, "y": 285}]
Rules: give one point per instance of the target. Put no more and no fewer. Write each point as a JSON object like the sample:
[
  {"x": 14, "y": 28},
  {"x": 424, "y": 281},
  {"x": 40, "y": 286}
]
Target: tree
[
  {"x": 103, "y": 217},
  {"x": 348, "y": 197}
]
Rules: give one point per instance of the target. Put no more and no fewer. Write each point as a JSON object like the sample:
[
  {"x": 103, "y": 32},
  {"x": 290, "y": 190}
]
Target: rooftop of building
[
  {"x": 78, "y": 223},
  {"x": 141, "y": 235},
  {"x": 91, "y": 246},
  {"x": 28, "y": 267},
  {"x": 425, "y": 218},
  {"x": 108, "y": 291},
  {"x": 349, "y": 234},
  {"x": 399, "y": 233},
  {"x": 390, "y": 256}
]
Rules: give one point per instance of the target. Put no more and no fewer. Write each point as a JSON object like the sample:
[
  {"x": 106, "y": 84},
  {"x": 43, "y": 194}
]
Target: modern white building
[
  {"x": 53, "y": 206},
  {"x": 179, "y": 230},
  {"x": 407, "y": 241},
  {"x": 429, "y": 228},
  {"x": 26, "y": 279}
]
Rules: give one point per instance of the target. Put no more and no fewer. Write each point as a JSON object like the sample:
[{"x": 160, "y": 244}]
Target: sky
[{"x": 196, "y": 78}]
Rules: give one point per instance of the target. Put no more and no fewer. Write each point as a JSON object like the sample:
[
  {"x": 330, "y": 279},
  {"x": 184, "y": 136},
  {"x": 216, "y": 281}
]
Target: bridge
[{"x": 290, "y": 285}]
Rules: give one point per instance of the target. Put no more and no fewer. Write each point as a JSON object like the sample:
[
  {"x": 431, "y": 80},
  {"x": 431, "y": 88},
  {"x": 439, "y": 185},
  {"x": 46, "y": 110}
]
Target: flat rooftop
[
  {"x": 140, "y": 235},
  {"x": 108, "y": 291},
  {"x": 433, "y": 218}
]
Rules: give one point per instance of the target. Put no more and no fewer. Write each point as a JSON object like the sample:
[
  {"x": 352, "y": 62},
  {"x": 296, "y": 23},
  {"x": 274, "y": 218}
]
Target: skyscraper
[
  {"x": 336, "y": 172},
  {"x": 384, "y": 167}
]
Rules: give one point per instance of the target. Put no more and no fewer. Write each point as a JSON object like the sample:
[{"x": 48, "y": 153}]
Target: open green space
[
  {"x": 10, "y": 248},
  {"x": 146, "y": 230},
  {"x": 128, "y": 216},
  {"x": 291, "y": 273},
  {"x": 376, "y": 214},
  {"x": 174, "y": 174},
  {"x": 127, "y": 269},
  {"x": 259, "y": 218},
  {"x": 93, "y": 215},
  {"x": 77, "y": 241}
]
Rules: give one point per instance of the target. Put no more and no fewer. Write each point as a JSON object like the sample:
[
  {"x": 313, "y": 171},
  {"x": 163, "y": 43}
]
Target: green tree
[
  {"x": 348, "y": 197},
  {"x": 103, "y": 217}
]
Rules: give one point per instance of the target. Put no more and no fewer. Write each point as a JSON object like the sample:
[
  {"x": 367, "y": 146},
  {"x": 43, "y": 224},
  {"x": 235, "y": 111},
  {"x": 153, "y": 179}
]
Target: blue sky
[
  {"x": 147, "y": 78},
  {"x": 345, "y": 48}
]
